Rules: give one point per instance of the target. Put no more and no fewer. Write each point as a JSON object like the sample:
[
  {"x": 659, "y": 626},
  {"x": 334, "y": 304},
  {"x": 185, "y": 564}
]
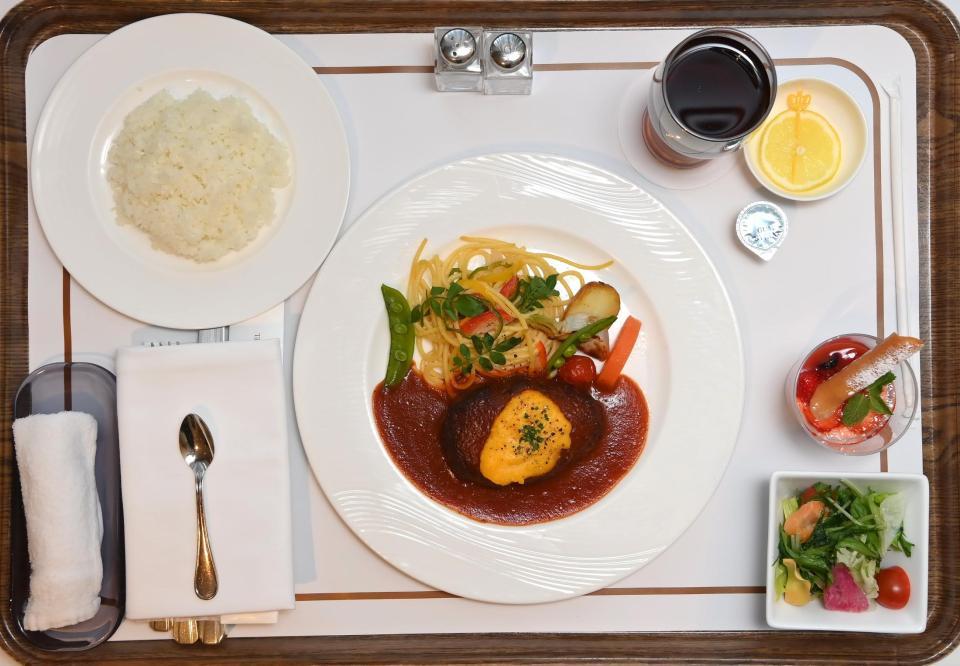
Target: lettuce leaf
[
  {"x": 892, "y": 509},
  {"x": 789, "y": 505},
  {"x": 779, "y": 579},
  {"x": 863, "y": 569}
]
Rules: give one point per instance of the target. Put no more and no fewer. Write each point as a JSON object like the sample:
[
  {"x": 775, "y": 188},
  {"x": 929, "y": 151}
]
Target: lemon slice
[{"x": 799, "y": 150}]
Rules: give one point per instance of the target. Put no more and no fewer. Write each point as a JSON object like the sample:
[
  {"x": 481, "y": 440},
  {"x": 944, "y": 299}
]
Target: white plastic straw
[{"x": 896, "y": 212}]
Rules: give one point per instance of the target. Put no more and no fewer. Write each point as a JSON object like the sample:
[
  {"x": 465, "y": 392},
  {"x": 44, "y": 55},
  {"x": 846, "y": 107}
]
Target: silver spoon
[{"x": 196, "y": 447}]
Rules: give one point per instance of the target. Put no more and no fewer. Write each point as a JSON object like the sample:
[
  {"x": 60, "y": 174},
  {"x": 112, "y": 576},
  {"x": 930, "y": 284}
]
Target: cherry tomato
[
  {"x": 894, "y": 586},
  {"x": 578, "y": 370},
  {"x": 808, "y": 495}
]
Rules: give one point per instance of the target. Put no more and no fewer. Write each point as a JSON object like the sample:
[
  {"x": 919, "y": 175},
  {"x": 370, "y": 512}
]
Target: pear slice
[{"x": 861, "y": 373}]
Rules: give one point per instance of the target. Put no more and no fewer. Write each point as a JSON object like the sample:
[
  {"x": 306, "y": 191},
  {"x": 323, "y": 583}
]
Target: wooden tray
[{"x": 935, "y": 37}]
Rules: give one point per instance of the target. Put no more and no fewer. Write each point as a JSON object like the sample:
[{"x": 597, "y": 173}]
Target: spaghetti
[{"x": 489, "y": 308}]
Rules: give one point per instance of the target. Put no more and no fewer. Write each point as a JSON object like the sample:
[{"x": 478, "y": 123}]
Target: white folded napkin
[
  {"x": 237, "y": 388},
  {"x": 55, "y": 456}
]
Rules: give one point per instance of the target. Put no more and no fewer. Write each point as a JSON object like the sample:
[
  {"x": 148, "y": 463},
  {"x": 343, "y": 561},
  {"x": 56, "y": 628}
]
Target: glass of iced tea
[{"x": 712, "y": 90}]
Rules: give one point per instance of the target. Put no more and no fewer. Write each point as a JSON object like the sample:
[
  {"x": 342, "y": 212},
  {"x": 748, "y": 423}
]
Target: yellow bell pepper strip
[{"x": 797, "y": 591}]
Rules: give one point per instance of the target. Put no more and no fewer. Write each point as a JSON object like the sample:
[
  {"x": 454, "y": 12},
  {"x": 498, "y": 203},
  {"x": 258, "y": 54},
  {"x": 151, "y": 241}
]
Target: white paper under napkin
[
  {"x": 237, "y": 388},
  {"x": 55, "y": 456}
]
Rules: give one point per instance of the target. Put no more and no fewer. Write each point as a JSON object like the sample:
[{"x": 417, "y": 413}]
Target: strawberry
[{"x": 806, "y": 385}]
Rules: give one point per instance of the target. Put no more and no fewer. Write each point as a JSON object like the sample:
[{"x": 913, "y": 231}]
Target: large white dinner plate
[
  {"x": 689, "y": 363},
  {"x": 183, "y": 52}
]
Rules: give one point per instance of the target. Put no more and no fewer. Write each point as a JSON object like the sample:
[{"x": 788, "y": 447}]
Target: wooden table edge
[{"x": 934, "y": 35}]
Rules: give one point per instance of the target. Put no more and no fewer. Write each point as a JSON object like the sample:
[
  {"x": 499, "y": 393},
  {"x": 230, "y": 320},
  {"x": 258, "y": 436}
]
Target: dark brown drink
[
  {"x": 713, "y": 89},
  {"x": 716, "y": 90}
]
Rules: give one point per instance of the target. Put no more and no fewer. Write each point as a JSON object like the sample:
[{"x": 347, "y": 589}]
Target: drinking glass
[{"x": 712, "y": 90}]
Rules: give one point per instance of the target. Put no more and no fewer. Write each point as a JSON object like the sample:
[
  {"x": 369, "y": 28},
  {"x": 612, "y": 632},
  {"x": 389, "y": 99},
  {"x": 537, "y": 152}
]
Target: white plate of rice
[{"x": 190, "y": 171}]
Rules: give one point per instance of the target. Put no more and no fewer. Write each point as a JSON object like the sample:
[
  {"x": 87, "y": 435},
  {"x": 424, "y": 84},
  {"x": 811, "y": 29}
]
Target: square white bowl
[{"x": 911, "y": 619}]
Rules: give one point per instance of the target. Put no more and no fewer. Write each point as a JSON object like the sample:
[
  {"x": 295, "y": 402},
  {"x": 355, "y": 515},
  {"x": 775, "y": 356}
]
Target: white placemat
[{"x": 822, "y": 282}]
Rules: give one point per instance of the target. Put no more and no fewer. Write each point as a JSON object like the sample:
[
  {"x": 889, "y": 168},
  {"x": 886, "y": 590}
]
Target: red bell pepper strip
[{"x": 487, "y": 322}]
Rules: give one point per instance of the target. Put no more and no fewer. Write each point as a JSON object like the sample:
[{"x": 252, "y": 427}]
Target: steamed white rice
[{"x": 197, "y": 174}]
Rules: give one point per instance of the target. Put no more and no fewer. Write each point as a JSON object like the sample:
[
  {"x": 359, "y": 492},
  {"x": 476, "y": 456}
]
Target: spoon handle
[{"x": 205, "y": 576}]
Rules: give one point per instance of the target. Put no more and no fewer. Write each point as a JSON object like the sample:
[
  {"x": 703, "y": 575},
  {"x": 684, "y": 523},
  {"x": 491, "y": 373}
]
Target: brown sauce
[{"x": 418, "y": 423}]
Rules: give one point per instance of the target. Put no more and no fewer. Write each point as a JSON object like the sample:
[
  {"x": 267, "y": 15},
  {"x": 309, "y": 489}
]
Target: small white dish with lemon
[{"x": 812, "y": 144}]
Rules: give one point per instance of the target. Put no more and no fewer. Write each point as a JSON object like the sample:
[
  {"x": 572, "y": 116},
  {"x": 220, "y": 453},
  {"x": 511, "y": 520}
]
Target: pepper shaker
[{"x": 458, "y": 66}]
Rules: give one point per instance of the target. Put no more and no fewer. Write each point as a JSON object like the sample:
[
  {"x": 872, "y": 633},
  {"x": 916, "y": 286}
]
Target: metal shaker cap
[
  {"x": 508, "y": 50},
  {"x": 761, "y": 227},
  {"x": 458, "y": 46}
]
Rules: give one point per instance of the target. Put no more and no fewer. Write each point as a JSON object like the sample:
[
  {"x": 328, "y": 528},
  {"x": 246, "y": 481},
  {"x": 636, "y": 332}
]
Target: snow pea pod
[
  {"x": 401, "y": 335},
  {"x": 568, "y": 347}
]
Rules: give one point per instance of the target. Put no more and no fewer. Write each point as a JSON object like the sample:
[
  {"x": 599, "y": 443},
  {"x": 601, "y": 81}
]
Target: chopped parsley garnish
[{"x": 530, "y": 435}]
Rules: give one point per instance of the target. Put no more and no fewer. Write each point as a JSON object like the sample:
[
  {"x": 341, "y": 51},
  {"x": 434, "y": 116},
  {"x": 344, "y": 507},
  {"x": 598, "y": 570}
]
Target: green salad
[{"x": 833, "y": 539}]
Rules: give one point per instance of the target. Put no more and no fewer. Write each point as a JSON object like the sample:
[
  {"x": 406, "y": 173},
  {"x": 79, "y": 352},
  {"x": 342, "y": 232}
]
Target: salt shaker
[
  {"x": 507, "y": 62},
  {"x": 459, "y": 67}
]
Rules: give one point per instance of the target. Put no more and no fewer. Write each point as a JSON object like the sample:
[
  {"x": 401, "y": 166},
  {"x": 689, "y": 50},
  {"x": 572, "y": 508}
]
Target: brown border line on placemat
[
  {"x": 605, "y": 592},
  {"x": 600, "y": 66}
]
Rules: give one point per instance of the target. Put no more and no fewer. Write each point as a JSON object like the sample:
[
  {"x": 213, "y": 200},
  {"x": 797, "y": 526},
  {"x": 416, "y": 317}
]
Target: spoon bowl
[{"x": 196, "y": 442}]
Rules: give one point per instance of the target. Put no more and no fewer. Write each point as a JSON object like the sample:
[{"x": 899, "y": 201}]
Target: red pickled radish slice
[{"x": 844, "y": 594}]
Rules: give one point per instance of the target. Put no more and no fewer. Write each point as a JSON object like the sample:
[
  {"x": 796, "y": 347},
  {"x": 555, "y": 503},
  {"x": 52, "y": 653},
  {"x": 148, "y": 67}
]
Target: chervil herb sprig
[
  {"x": 450, "y": 303},
  {"x": 531, "y": 292},
  {"x": 486, "y": 353}
]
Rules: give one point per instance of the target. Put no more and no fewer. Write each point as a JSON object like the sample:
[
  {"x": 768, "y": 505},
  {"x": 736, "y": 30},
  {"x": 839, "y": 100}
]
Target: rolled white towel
[{"x": 55, "y": 455}]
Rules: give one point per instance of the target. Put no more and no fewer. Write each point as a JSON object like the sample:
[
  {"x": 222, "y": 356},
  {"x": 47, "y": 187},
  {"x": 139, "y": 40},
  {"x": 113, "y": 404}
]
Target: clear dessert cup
[{"x": 846, "y": 441}]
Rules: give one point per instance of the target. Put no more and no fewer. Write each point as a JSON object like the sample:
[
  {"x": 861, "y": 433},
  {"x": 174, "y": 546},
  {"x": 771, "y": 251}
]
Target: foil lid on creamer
[{"x": 761, "y": 227}]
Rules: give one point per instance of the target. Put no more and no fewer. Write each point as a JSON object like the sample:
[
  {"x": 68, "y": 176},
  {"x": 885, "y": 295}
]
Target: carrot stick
[{"x": 621, "y": 351}]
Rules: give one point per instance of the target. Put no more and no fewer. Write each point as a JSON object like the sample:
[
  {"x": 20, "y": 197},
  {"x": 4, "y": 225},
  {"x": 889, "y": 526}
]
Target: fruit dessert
[{"x": 846, "y": 391}]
